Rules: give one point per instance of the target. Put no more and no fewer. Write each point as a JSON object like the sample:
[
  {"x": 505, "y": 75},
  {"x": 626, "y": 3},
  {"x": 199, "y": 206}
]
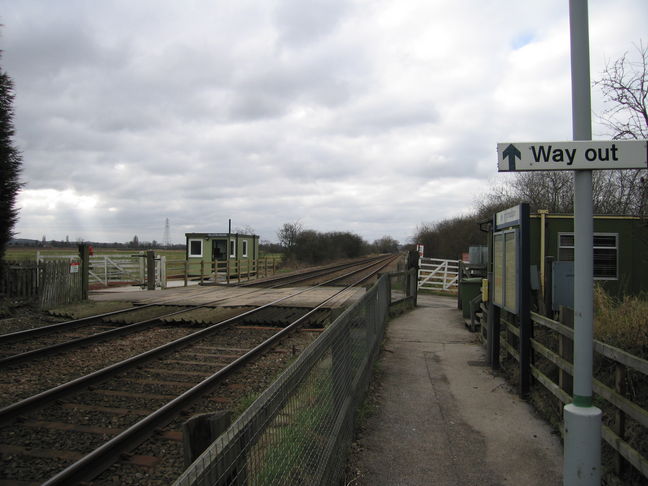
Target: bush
[{"x": 622, "y": 323}]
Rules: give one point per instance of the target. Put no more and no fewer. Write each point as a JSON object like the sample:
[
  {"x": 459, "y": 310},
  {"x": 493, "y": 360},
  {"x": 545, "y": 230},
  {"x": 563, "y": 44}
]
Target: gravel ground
[
  {"x": 235, "y": 393},
  {"x": 51, "y": 339},
  {"x": 142, "y": 392},
  {"x": 26, "y": 379},
  {"x": 24, "y": 317},
  {"x": 27, "y": 468}
]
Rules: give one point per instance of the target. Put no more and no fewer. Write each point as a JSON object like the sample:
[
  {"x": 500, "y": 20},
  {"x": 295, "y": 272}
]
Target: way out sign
[{"x": 591, "y": 155}]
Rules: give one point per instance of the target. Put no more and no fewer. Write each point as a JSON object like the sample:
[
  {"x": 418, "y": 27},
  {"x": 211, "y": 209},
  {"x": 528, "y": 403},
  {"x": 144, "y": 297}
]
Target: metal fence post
[{"x": 413, "y": 284}]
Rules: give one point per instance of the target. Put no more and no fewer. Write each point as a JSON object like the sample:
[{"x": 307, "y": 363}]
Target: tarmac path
[{"x": 443, "y": 417}]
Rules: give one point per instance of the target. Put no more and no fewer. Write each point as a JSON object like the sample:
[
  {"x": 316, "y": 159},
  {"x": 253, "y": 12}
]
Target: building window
[
  {"x": 232, "y": 248},
  {"x": 606, "y": 250},
  {"x": 245, "y": 248},
  {"x": 195, "y": 248}
]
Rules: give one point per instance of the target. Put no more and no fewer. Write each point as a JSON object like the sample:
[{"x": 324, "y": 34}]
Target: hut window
[
  {"x": 195, "y": 248},
  {"x": 232, "y": 248},
  {"x": 245, "y": 248},
  {"x": 605, "y": 256},
  {"x": 606, "y": 251}
]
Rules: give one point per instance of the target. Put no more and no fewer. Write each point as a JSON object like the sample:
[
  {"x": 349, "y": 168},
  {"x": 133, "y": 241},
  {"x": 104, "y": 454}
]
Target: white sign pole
[{"x": 582, "y": 456}]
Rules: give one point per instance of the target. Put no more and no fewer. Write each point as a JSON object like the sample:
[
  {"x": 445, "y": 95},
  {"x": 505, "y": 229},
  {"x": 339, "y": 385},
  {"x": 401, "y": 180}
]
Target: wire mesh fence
[
  {"x": 299, "y": 430},
  {"x": 403, "y": 285}
]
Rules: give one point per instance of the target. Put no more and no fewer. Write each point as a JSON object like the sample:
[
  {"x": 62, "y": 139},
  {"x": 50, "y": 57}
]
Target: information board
[
  {"x": 498, "y": 269},
  {"x": 505, "y": 269}
]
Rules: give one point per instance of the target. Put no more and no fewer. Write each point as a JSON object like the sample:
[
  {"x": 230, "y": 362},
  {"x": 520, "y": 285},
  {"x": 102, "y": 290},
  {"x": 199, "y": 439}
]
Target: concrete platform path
[{"x": 443, "y": 418}]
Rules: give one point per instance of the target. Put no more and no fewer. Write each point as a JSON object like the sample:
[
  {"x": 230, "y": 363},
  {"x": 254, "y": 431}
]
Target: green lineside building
[
  {"x": 210, "y": 247},
  {"x": 620, "y": 250}
]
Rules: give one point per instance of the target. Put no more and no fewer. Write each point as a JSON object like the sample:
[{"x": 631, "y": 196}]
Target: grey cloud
[
  {"x": 301, "y": 23},
  {"x": 255, "y": 106},
  {"x": 268, "y": 112},
  {"x": 377, "y": 115}
]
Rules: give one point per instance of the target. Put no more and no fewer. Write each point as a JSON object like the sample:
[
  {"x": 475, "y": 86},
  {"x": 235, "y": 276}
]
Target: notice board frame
[{"x": 512, "y": 224}]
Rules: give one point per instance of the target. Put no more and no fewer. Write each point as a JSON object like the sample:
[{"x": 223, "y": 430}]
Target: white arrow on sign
[{"x": 613, "y": 154}]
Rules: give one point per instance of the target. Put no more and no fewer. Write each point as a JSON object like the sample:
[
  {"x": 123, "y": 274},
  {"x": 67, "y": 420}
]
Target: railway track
[
  {"x": 74, "y": 431},
  {"x": 42, "y": 341}
]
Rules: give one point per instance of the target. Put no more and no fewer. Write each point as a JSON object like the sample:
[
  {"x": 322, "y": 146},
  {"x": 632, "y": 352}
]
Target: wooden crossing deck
[{"x": 233, "y": 296}]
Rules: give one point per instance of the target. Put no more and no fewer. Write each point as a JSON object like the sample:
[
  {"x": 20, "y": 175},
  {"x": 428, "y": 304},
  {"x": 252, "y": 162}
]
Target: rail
[
  {"x": 625, "y": 420},
  {"x": 299, "y": 430},
  {"x": 373, "y": 265},
  {"x": 94, "y": 462}
]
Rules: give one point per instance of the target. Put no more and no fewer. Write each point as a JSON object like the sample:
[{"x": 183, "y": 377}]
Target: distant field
[{"x": 30, "y": 253}]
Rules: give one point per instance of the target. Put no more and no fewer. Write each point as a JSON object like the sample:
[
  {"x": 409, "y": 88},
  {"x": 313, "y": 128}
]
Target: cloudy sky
[{"x": 370, "y": 116}]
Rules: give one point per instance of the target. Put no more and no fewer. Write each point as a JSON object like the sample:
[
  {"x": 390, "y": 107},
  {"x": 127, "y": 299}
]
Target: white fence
[
  {"x": 438, "y": 274},
  {"x": 107, "y": 270}
]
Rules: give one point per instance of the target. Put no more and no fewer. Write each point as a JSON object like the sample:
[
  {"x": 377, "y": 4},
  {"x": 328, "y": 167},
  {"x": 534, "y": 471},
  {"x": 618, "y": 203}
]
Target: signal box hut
[{"x": 209, "y": 247}]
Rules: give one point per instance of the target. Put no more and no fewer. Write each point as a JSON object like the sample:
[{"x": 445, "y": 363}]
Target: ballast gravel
[
  {"x": 235, "y": 390},
  {"x": 26, "y": 379}
]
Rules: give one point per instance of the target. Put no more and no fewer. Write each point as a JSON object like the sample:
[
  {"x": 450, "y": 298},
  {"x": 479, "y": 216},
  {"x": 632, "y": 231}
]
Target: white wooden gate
[
  {"x": 116, "y": 269},
  {"x": 438, "y": 274},
  {"x": 107, "y": 270}
]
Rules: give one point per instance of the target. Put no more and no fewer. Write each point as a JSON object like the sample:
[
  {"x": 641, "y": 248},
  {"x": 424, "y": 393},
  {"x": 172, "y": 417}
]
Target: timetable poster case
[{"x": 506, "y": 247}]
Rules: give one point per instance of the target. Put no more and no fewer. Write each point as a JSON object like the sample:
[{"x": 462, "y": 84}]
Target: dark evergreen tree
[{"x": 10, "y": 163}]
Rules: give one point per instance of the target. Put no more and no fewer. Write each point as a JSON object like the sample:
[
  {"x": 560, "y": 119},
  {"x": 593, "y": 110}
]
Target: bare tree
[
  {"x": 288, "y": 235},
  {"x": 386, "y": 244},
  {"x": 245, "y": 230},
  {"x": 624, "y": 84},
  {"x": 449, "y": 238},
  {"x": 552, "y": 190}
]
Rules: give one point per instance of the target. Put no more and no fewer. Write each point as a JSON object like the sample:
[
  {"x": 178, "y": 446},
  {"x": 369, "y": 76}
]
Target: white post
[
  {"x": 140, "y": 257},
  {"x": 582, "y": 461},
  {"x": 163, "y": 273}
]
